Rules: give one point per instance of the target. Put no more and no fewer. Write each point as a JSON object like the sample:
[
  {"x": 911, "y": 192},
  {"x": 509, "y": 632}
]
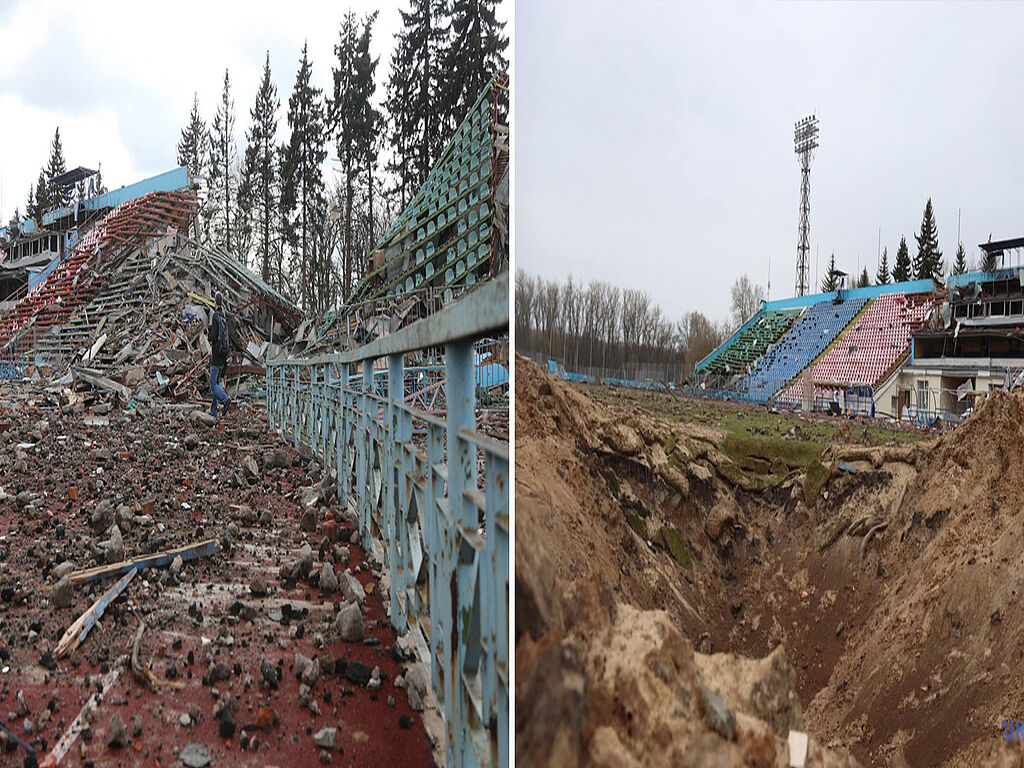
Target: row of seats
[
  {"x": 870, "y": 348},
  {"x": 805, "y": 340},
  {"x": 752, "y": 342}
]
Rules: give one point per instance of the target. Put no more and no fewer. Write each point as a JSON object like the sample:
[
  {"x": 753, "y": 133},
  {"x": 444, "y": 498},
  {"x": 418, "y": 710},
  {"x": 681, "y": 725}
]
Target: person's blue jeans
[{"x": 217, "y": 392}]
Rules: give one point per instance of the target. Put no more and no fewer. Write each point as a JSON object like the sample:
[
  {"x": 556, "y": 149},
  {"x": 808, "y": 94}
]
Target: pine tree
[
  {"x": 54, "y": 168},
  {"x": 44, "y": 201},
  {"x": 475, "y": 55},
  {"x": 928, "y": 262},
  {"x": 193, "y": 147},
  {"x": 366, "y": 67},
  {"x": 352, "y": 120},
  {"x": 882, "y": 276},
  {"x": 302, "y": 187},
  {"x": 193, "y": 153},
  {"x": 864, "y": 280},
  {"x": 398, "y": 108},
  {"x": 831, "y": 281},
  {"x": 901, "y": 270},
  {"x": 419, "y": 49},
  {"x": 31, "y": 209},
  {"x": 258, "y": 192},
  {"x": 960, "y": 262},
  {"x": 223, "y": 158}
]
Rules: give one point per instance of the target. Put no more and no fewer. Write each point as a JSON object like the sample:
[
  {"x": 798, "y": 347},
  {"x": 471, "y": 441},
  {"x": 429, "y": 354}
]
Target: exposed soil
[{"x": 876, "y": 609}]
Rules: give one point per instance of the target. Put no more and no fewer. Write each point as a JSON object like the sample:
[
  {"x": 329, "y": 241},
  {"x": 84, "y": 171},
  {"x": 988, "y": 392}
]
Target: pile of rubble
[
  {"x": 127, "y": 310},
  {"x": 170, "y": 593}
]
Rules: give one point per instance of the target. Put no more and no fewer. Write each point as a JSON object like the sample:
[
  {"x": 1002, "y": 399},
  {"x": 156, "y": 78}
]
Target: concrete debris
[
  {"x": 258, "y": 586},
  {"x": 328, "y": 581},
  {"x": 117, "y": 734},
  {"x": 102, "y": 517},
  {"x": 351, "y": 589},
  {"x": 416, "y": 686},
  {"x": 194, "y": 755},
  {"x": 63, "y": 593},
  {"x": 349, "y": 623},
  {"x": 374, "y": 682},
  {"x": 308, "y": 521},
  {"x": 324, "y": 738}
]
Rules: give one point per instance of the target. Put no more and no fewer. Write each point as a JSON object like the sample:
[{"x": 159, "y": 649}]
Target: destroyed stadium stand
[
  {"x": 807, "y": 339},
  {"x": 867, "y": 352},
  {"x": 752, "y": 342},
  {"x": 453, "y": 233}
]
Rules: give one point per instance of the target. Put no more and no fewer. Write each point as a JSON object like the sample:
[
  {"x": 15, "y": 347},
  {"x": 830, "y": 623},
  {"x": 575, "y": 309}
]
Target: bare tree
[
  {"x": 591, "y": 317},
  {"x": 526, "y": 295},
  {"x": 699, "y": 337},
  {"x": 549, "y": 309},
  {"x": 611, "y": 319},
  {"x": 746, "y": 300}
]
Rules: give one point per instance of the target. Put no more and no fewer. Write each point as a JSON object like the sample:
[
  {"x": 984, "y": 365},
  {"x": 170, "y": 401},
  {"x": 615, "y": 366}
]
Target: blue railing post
[
  {"x": 341, "y": 435},
  {"x": 443, "y": 540},
  {"x": 461, "y": 478},
  {"x": 364, "y": 441}
]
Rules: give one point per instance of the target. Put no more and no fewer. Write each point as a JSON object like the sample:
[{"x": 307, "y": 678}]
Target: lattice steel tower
[{"x": 805, "y": 141}]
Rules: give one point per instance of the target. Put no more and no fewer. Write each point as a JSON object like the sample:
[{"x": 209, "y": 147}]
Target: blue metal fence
[{"x": 442, "y": 535}]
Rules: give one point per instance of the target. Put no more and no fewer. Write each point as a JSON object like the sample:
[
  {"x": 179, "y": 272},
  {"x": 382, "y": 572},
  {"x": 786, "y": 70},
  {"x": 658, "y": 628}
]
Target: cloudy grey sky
[
  {"x": 118, "y": 76},
  {"x": 655, "y": 139}
]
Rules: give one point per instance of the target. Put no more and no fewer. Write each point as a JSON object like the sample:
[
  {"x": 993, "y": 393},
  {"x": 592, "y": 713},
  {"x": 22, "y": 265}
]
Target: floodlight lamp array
[{"x": 805, "y": 134}]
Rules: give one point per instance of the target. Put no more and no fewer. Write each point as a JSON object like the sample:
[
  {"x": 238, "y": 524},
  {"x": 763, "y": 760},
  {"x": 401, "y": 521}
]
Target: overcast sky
[
  {"x": 118, "y": 76},
  {"x": 655, "y": 139}
]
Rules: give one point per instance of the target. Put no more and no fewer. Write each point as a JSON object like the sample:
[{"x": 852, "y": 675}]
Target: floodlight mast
[{"x": 805, "y": 141}]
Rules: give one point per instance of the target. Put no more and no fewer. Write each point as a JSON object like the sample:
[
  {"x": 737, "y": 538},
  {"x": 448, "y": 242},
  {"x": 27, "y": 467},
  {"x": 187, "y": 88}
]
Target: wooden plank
[
  {"x": 188, "y": 552},
  {"x": 76, "y": 633},
  {"x": 100, "y": 381}
]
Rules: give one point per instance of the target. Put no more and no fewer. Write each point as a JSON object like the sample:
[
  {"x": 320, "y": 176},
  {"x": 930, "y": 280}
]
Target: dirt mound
[
  {"x": 889, "y": 571},
  {"x": 931, "y": 672},
  {"x": 614, "y": 572}
]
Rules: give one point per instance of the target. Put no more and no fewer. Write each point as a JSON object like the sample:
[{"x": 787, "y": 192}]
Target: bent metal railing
[{"x": 444, "y": 542}]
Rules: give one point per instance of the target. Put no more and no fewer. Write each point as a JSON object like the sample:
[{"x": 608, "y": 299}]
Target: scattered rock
[
  {"x": 113, "y": 548},
  {"x": 328, "y": 580},
  {"x": 374, "y": 683},
  {"x": 324, "y": 738},
  {"x": 351, "y": 589},
  {"x": 358, "y": 673},
  {"x": 308, "y": 521},
  {"x": 719, "y": 716},
  {"x": 227, "y": 723},
  {"x": 349, "y": 623},
  {"x": 117, "y": 735},
  {"x": 417, "y": 683},
  {"x": 62, "y": 593},
  {"x": 204, "y": 418},
  {"x": 102, "y": 517},
  {"x": 258, "y": 586},
  {"x": 341, "y": 555},
  {"x": 312, "y": 673},
  {"x": 194, "y": 754}
]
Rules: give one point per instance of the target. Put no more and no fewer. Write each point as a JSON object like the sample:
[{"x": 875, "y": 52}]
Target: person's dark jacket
[{"x": 217, "y": 358}]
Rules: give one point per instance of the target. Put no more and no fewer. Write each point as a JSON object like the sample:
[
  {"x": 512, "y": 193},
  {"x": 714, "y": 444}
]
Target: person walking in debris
[{"x": 220, "y": 344}]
